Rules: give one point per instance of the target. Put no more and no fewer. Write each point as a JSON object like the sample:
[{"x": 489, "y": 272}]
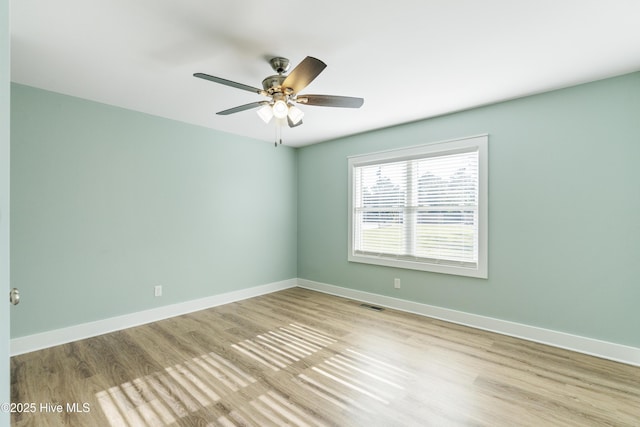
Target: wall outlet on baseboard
[
  {"x": 157, "y": 290},
  {"x": 396, "y": 283}
]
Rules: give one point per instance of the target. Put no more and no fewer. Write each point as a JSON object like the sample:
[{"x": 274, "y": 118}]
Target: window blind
[{"x": 422, "y": 209}]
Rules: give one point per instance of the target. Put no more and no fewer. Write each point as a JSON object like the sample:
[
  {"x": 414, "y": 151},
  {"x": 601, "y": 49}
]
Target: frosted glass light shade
[
  {"x": 295, "y": 114},
  {"x": 280, "y": 109},
  {"x": 266, "y": 113}
]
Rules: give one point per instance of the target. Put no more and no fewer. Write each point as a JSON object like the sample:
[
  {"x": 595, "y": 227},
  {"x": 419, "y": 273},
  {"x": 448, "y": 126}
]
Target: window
[{"x": 422, "y": 208}]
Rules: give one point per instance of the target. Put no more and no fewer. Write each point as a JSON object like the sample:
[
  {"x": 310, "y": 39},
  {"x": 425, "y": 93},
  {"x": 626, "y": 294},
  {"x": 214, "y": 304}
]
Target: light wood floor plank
[{"x": 298, "y": 357}]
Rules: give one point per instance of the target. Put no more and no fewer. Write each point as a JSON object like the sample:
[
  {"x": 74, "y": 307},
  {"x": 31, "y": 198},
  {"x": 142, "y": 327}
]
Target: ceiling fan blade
[
  {"x": 330, "y": 101},
  {"x": 303, "y": 74},
  {"x": 242, "y": 108},
  {"x": 228, "y": 83}
]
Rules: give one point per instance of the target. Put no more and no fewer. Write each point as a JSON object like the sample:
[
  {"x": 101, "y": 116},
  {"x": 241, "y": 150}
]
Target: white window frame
[{"x": 472, "y": 143}]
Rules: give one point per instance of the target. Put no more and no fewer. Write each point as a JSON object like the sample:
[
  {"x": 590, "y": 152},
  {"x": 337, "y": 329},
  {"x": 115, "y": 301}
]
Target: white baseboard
[
  {"x": 603, "y": 349},
  {"x": 55, "y": 337}
]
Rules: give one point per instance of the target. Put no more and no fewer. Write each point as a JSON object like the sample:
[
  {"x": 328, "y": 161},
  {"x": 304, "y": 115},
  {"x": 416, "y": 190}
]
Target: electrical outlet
[
  {"x": 396, "y": 283},
  {"x": 157, "y": 290}
]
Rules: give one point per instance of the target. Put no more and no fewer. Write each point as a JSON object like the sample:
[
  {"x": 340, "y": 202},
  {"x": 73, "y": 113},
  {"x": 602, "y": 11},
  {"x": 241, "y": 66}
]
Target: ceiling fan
[{"x": 283, "y": 91}]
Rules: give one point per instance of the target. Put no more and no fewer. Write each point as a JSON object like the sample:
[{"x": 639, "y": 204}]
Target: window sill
[{"x": 478, "y": 272}]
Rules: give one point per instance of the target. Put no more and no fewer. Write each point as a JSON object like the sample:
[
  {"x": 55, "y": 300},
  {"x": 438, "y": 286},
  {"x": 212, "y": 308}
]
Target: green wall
[
  {"x": 106, "y": 203},
  {"x": 564, "y": 200}
]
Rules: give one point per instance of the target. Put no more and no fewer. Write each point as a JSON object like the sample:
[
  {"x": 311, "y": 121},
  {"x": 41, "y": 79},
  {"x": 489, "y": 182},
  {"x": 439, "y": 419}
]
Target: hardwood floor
[{"x": 299, "y": 357}]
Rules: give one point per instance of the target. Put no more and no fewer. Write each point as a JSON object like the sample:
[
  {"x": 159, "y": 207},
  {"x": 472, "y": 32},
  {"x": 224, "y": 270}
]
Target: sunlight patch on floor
[
  {"x": 288, "y": 344},
  {"x": 162, "y": 398},
  {"x": 345, "y": 378}
]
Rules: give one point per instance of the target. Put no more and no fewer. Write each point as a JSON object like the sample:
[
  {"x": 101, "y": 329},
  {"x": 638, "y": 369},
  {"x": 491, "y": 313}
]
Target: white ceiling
[{"x": 409, "y": 59}]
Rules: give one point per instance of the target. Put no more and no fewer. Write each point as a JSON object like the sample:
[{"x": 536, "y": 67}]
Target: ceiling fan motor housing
[{"x": 273, "y": 83}]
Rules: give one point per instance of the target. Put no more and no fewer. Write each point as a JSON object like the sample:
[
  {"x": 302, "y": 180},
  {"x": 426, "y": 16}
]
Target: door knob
[{"x": 14, "y": 296}]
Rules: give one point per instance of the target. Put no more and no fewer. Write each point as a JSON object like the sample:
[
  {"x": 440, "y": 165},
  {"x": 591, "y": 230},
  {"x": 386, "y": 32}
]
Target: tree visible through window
[{"x": 421, "y": 208}]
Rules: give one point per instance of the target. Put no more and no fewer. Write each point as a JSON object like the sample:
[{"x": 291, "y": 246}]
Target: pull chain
[{"x": 278, "y": 134}]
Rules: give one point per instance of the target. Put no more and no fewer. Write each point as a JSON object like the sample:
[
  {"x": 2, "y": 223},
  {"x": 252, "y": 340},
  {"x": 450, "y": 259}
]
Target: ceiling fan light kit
[{"x": 283, "y": 93}]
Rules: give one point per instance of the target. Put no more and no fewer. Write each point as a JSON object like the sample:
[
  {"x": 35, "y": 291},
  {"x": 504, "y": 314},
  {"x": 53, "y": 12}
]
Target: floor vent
[{"x": 371, "y": 307}]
